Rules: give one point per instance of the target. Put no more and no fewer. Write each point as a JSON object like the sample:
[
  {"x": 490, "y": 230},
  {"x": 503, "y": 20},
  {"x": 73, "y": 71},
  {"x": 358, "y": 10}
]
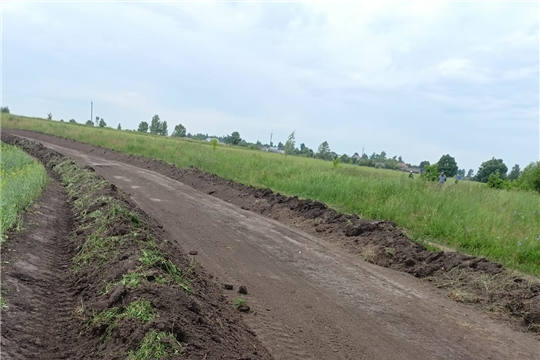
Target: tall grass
[
  {"x": 22, "y": 179},
  {"x": 502, "y": 225}
]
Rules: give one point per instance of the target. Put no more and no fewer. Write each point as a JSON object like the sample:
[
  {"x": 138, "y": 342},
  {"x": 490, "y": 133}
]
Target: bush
[
  {"x": 431, "y": 173},
  {"x": 529, "y": 178}
]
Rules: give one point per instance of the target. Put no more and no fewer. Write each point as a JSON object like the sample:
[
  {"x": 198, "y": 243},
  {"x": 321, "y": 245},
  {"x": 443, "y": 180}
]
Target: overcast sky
[{"x": 418, "y": 80}]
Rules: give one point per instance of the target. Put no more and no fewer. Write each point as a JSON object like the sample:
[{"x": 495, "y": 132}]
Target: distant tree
[
  {"x": 280, "y": 145},
  {"x": 302, "y": 147},
  {"x": 89, "y": 123},
  {"x": 72, "y": 121},
  {"x": 448, "y": 165},
  {"x": 382, "y": 156},
  {"x": 496, "y": 182},
  {"x": 470, "y": 173},
  {"x": 119, "y": 127},
  {"x": 97, "y": 120},
  {"x": 400, "y": 160},
  {"x": 289, "y": 144},
  {"x": 234, "y": 138},
  {"x": 529, "y": 178},
  {"x": 163, "y": 129},
  {"x": 49, "y": 116},
  {"x": 514, "y": 174},
  {"x": 489, "y": 167},
  {"x": 143, "y": 127},
  {"x": 324, "y": 151},
  {"x": 61, "y": 120},
  {"x": 461, "y": 172},
  {"x": 423, "y": 164},
  {"x": 4, "y": 110},
  {"x": 344, "y": 159},
  {"x": 102, "y": 123},
  {"x": 155, "y": 125},
  {"x": 179, "y": 130}
]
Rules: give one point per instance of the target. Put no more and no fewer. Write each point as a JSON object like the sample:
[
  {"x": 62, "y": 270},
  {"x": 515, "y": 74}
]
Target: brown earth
[
  {"x": 53, "y": 296},
  {"x": 308, "y": 298}
]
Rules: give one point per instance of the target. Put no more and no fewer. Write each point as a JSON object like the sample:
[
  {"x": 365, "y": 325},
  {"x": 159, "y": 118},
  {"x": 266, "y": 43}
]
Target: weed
[
  {"x": 156, "y": 345},
  {"x": 139, "y": 309},
  {"x": 240, "y": 301}
]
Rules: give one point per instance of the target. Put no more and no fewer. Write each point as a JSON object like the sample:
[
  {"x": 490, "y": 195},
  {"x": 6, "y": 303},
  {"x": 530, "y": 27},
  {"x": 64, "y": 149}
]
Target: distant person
[
  {"x": 442, "y": 178},
  {"x": 410, "y": 175}
]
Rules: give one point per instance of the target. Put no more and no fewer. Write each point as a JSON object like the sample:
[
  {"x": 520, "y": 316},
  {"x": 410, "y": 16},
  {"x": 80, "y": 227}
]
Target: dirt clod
[{"x": 242, "y": 290}]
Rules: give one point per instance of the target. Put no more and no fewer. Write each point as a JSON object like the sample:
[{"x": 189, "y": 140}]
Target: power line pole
[
  {"x": 91, "y": 110},
  {"x": 272, "y": 133}
]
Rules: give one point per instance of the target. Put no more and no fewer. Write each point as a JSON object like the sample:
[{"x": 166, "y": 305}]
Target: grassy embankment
[
  {"x": 22, "y": 179},
  {"x": 503, "y": 226}
]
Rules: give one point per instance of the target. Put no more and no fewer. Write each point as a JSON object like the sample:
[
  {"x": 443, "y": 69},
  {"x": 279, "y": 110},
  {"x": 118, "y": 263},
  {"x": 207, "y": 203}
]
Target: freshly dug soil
[
  {"x": 65, "y": 290},
  {"x": 468, "y": 279}
]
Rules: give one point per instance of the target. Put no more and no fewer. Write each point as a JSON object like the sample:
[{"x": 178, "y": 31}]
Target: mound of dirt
[
  {"x": 468, "y": 279},
  {"x": 127, "y": 291}
]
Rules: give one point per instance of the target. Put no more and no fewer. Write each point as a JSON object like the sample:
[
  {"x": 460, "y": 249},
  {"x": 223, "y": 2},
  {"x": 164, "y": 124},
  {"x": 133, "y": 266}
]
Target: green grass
[
  {"x": 502, "y": 225},
  {"x": 22, "y": 180},
  {"x": 156, "y": 345}
]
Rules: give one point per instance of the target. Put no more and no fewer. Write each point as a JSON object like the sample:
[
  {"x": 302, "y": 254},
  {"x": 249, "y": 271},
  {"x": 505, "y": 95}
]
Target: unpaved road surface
[{"x": 309, "y": 299}]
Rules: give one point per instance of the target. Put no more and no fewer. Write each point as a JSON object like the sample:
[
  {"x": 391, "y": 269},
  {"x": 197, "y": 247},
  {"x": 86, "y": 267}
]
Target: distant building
[{"x": 356, "y": 157}]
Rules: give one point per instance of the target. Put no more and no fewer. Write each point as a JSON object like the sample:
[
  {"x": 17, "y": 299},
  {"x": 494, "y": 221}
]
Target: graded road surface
[{"x": 309, "y": 299}]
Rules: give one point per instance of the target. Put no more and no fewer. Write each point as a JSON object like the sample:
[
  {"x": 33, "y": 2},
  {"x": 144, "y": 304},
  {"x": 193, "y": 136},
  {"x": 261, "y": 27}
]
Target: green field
[
  {"x": 502, "y": 225},
  {"x": 22, "y": 179}
]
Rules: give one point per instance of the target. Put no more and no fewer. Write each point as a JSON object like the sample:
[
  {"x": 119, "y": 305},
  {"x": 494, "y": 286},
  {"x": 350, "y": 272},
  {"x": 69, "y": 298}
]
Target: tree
[
  {"x": 324, "y": 151},
  {"x": 89, "y": 123},
  {"x": 155, "y": 125},
  {"x": 289, "y": 144},
  {"x": 163, "y": 129},
  {"x": 143, "y": 127},
  {"x": 447, "y": 165},
  {"x": 345, "y": 159},
  {"x": 97, "y": 120},
  {"x": 423, "y": 164},
  {"x": 529, "y": 178},
  {"x": 461, "y": 172},
  {"x": 302, "y": 147},
  {"x": 102, "y": 123},
  {"x": 431, "y": 173},
  {"x": 119, "y": 127},
  {"x": 280, "y": 145},
  {"x": 72, "y": 121},
  {"x": 4, "y": 110},
  {"x": 382, "y": 156},
  {"x": 234, "y": 138},
  {"x": 179, "y": 130},
  {"x": 400, "y": 160},
  {"x": 489, "y": 167},
  {"x": 514, "y": 174},
  {"x": 49, "y": 116},
  {"x": 470, "y": 173}
]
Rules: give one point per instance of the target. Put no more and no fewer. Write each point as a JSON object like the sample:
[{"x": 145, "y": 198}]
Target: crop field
[
  {"x": 22, "y": 179},
  {"x": 501, "y": 225}
]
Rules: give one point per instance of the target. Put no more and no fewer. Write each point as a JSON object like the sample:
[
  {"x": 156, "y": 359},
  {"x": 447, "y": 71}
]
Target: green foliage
[
  {"x": 72, "y": 121},
  {"x": 495, "y": 181},
  {"x": 431, "y": 173},
  {"x": 163, "y": 129},
  {"x": 155, "y": 125},
  {"x": 470, "y": 173},
  {"x": 119, "y": 127},
  {"x": 214, "y": 143},
  {"x": 234, "y": 138},
  {"x": 489, "y": 167},
  {"x": 514, "y": 174},
  {"x": 143, "y": 127},
  {"x": 22, "y": 179},
  {"x": 335, "y": 162},
  {"x": 156, "y": 345},
  {"x": 49, "y": 116},
  {"x": 240, "y": 301},
  {"x": 423, "y": 164},
  {"x": 289, "y": 145},
  {"x": 179, "y": 130},
  {"x": 4, "y": 110},
  {"x": 448, "y": 165},
  {"x": 529, "y": 178},
  {"x": 89, "y": 123},
  {"x": 324, "y": 151},
  {"x": 102, "y": 123}
]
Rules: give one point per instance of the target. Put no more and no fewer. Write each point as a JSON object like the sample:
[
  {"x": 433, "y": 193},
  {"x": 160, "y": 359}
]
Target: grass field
[
  {"x": 22, "y": 179},
  {"x": 502, "y": 225}
]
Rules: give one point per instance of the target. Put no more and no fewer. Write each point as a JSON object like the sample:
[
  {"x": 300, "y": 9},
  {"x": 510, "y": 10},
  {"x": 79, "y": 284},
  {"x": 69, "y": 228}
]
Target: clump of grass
[
  {"x": 156, "y": 345},
  {"x": 21, "y": 180},
  {"x": 240, "y": 301}
]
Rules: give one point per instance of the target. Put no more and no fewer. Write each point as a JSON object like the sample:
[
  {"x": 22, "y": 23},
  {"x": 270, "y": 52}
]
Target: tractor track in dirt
[{"x": 309, "y": 298}]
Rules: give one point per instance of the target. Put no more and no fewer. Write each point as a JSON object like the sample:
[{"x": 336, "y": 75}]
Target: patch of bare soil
[
  {"x": 94, "y": 278},
  {"x": 468, "y": 279}
]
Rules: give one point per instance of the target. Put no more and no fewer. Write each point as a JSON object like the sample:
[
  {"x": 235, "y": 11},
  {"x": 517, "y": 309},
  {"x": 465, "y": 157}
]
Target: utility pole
[
  {"x": 91, "y": 110},
  {"x": 272, "y": 133}
]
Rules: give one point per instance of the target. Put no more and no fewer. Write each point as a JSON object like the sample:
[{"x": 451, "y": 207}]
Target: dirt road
[{"x": 310, "y": 300}]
